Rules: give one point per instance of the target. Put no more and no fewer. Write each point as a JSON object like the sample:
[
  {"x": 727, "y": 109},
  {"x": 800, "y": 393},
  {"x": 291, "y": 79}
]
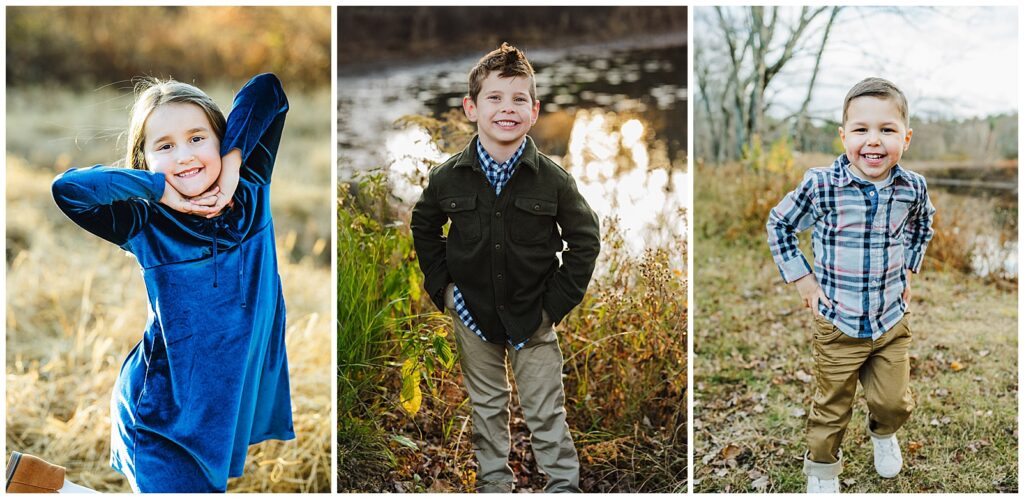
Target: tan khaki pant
[
  {"x": 538, "y": 373},
  {"x": 883, "y": 368}
]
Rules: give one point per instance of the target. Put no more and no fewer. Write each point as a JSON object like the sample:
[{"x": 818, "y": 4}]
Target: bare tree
[{"x": 757, "y": 46}]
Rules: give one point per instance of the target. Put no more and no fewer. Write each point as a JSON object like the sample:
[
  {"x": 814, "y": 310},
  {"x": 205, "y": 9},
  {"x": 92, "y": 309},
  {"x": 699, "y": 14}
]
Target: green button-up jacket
[{"x": 501, "y": 251}]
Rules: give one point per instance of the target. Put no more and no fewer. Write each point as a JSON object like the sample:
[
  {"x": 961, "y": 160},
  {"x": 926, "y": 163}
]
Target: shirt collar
[
  {"x": 841, "y": 175},
  {"x": 528, "y": 154},
  {"x": 486, "y": 159}
]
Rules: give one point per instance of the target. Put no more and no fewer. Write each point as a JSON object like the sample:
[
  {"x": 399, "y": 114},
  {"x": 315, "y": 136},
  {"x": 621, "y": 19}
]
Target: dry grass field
[{"x": 76, "y": 304}]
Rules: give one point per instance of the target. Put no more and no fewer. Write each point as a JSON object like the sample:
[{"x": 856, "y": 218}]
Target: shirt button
[
  {"x": 497, "y": 246},
  {"x": 453, "y": 204},
  {"x": 497, "y": 214},
  {"x": 872, "y": 194}
]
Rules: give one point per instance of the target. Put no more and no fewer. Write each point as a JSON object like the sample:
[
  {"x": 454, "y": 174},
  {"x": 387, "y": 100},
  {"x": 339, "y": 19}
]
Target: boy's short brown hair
[
  {"x": 507, "y": 59},
  {"x": 882, "y": 89}
]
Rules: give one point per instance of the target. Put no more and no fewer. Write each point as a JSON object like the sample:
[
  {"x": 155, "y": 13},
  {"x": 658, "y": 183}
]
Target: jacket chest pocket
[
  {"x": 461, "y": 211},
  {"x": 534, "y": 220}
]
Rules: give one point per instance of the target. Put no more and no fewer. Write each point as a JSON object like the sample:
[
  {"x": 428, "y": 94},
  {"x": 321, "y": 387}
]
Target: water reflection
[{"x": 612, "y": 162}]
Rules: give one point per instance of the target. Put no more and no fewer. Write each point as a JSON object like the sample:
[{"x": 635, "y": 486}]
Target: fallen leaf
[
  {"x": 797, "y": 412},
  {"x": 803, "y": 376},
  {"x": 849, "y": 482},
  {"x": 914, "y": 447},
  {"x": 731, "y": 451},
  {"x": 956, "y": 366},
  {"x": 760, "y": 484}
]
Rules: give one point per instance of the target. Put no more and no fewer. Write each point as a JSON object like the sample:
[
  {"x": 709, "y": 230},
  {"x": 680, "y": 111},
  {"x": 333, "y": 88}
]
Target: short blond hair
[
  {"x": 507, "y": 59},
  {"x": 881, "y": 89},
  {"x": 153, "y": 93}
]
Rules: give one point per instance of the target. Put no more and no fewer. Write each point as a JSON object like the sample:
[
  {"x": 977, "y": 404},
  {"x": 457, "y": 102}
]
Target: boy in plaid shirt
[{"x": 872, "y": 222}]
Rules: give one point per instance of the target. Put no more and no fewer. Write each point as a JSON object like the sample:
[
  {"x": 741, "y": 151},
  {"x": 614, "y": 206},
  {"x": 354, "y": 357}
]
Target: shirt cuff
[
  {"x": 794, "y": 269},
  {"x": 913, "y": 260}
]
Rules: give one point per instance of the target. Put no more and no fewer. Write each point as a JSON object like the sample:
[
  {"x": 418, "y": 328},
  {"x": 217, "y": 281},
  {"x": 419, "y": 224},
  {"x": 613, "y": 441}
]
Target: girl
[{"x": 210, "y": 376}]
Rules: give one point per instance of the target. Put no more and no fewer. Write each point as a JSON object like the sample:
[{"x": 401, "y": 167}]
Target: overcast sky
[{"x": 949, "y": 61}]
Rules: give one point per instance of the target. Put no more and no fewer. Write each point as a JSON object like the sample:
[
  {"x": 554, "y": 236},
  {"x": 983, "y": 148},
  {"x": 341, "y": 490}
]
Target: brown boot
[{"x": 27, "y": 473}]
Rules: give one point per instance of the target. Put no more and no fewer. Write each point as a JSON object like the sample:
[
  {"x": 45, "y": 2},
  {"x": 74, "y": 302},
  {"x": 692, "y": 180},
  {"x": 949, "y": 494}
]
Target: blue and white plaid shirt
[
  {"x": 865, "y": 238},
  {"x": 498, "y": 175}
]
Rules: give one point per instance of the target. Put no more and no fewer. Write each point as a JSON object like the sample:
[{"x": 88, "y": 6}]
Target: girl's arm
[
  {"x": 254, "y": 127},
  {"x": 112, "y": 203}
]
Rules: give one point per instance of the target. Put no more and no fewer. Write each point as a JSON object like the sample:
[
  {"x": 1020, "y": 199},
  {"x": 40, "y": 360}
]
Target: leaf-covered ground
[{"x": 753, "y": 373}]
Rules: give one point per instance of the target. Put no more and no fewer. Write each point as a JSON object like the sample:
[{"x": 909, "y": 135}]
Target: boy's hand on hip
[
  {"x": 906, "y": 293},
  {"x": 811, "y": 293}
]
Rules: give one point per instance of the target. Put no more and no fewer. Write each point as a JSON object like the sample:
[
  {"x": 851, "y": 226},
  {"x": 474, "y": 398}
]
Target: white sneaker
[
  {"x": 888, "y": 459},
  {"x": 817, "y": 485},
  {"x": 823, "y": 478}
]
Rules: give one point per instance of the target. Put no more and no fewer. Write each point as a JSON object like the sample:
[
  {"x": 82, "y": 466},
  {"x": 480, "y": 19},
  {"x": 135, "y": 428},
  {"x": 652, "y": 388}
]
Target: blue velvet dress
[{"x": 210, "y": 376}]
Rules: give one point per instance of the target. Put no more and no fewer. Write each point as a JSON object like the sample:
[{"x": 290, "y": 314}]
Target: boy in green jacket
[{"x": 498, "y": 274}]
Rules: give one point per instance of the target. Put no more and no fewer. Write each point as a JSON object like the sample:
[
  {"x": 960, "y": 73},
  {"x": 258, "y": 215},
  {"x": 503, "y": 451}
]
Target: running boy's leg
[
  {"x": 886, "y": 380},
  {"x": 538, "y": 372},
  {"x": 486, "y": 381},
  {"x": 837, "y": 362}
]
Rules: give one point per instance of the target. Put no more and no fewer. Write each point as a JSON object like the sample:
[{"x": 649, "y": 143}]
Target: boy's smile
[
  {"x": 504, "y": 112},
  {"x": 874, "y": 136}
]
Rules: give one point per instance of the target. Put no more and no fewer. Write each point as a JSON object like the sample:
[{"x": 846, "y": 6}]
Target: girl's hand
[
  {"x": 811, "y": 292},
  {"x": 223, "y": 191},
  {"x": 175, "y": 201}
]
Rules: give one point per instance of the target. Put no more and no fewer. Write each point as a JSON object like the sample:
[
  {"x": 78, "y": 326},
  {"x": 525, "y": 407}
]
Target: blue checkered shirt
[
  {"x": 498, "y": 175},
  {"x": 865, "y": 239}
]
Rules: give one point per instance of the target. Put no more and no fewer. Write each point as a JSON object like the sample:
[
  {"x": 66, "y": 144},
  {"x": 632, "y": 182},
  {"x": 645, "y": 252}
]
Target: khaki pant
[
  {"x": 538, "y": 373},
  {"x": 883, "y": 368}
]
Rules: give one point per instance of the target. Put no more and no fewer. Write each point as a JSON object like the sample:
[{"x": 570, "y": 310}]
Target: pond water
[
  {"x": 613, "y": 117},
  {"x": 995, "y": 249}
]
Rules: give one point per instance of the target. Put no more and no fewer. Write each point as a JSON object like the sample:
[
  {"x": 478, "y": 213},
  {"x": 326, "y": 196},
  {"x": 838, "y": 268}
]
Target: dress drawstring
[{"x": 217, "y": 226}]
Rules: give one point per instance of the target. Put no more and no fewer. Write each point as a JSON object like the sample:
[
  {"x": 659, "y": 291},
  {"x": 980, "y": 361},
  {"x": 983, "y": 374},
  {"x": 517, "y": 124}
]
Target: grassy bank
[
  {"x": 404, "y": 417},
  {"x": 753, "y": 363},
  {"x": 76, "y": 305}
]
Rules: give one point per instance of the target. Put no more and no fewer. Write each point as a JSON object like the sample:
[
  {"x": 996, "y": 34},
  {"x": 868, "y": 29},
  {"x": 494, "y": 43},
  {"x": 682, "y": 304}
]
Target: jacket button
[
  {"x": 453, "y": 204},
  {"x": 497, "y": 246},
  {"x": 536, "y": 207},
  {"x": 500, "y": 277},
  {"x": 497, "y": 214},
  {"x": 501, "y": 308}
]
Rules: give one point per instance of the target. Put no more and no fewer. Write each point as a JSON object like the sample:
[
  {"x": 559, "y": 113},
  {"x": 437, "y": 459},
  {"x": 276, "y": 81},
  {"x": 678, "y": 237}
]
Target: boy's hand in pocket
[
  {"x": 449, "y": 296},
  {"x": 811, "y": 293}
]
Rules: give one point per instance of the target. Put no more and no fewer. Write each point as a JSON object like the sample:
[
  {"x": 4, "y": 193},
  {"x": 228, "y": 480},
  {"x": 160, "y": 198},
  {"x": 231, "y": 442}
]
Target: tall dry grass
[
  {"x": 76, "y": 304},
  {"x": 403, "y": 417}
]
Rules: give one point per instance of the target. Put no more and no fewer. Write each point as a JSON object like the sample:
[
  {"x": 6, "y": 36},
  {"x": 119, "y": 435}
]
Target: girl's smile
[{"x": 180, "y": 143}]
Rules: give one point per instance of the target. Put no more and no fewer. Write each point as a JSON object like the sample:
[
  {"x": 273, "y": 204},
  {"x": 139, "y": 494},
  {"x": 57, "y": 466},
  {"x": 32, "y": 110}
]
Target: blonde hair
[
  {"x": 510, "y": 61},
  {"x": 153, "y": 93}
]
